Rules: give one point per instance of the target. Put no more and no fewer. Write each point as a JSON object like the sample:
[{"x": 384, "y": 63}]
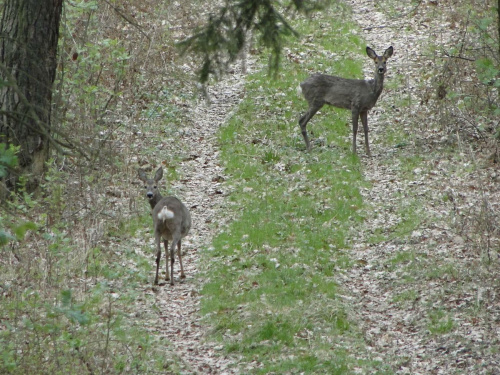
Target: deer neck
[
  {"x": 153, "y": 201},
  {"x": 378, "y": 84}
]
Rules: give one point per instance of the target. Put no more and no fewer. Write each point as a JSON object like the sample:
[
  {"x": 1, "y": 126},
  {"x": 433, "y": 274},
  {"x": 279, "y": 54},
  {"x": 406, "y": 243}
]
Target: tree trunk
[{"x": 29, "y": 31}]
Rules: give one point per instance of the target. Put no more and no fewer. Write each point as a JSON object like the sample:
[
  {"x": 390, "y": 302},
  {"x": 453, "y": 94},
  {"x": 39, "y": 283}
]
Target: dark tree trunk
[{"x": 29, "y": 31}]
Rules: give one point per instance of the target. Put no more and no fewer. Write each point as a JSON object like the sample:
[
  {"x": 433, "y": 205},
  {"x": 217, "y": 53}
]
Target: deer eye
[{"x": 155, "y": 186}]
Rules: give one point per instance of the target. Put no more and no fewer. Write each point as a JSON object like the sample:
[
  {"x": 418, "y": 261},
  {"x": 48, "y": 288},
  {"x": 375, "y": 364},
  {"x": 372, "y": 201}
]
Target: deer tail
[{"x": 165, "y": 214}]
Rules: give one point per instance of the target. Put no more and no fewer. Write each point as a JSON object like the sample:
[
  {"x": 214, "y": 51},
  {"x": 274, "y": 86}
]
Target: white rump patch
[
  {"x": 299, "y": 90},
  {"x": 165, "y": 214}
]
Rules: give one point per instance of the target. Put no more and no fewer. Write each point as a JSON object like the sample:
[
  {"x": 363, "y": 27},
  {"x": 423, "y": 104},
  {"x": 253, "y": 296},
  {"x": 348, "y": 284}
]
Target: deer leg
[
  {"x": 305, "y": 119},
  {"x": 158, "y": 257},
  {"x": 172, "y": 258},
  {"x": 183, "y": 276},
  {"x": 364, "y": 120},
  {"x": 165, "y": 243},
  {"x": 355, "y": 116}
]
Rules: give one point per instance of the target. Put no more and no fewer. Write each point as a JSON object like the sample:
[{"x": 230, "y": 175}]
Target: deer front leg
[
  {"x": 165, "y": 244},
  {"x": 364, "y": 120},
  {"x": 303, "y": 123},
  {"x": 355, "y": 115},
  {"x": 304, "y": 120},
  {"x": 183, "y": 276}
]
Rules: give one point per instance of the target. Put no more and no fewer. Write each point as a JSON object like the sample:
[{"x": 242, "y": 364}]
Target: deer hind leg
[
  {"x": 174, "y": 243},
  {"x": 305, "y": 119},
  {"x": 183, "y": 276},
  {"x": 167, "y": 276},
  {"x": 158, "y": 258},
  {"x": 364, "y": 120},
  {"x": 355, "y": 116}
]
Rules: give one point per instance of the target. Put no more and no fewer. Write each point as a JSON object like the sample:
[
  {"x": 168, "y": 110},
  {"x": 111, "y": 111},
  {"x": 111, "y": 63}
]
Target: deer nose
[
  {"x": 149, "y": 194},
  {"x": 381, "y": 70}
]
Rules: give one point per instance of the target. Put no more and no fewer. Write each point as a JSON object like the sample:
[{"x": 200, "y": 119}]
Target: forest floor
[{"x": 406, "y": 291}]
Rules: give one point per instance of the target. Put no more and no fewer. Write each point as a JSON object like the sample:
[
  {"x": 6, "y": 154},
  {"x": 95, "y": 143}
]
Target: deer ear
[
  {"x": 159, "y": 174},
  {"x": 371, "y": 53},
  {"x": 388, "y": 52},
  {"x": 141, "y": 175}
]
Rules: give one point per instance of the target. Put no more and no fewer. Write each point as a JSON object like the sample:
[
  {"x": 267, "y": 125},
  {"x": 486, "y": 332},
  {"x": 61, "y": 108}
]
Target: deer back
[
  {"x": 171, "y": 217},
  {"x": 339, "y": 92}
]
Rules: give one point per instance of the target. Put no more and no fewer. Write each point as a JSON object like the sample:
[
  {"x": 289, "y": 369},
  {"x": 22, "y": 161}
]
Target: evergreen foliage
[{"x": 222, "y": 38}]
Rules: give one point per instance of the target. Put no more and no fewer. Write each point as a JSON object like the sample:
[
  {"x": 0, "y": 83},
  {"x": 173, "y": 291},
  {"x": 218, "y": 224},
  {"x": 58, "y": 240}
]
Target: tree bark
[{"x": 29, "y": 32}]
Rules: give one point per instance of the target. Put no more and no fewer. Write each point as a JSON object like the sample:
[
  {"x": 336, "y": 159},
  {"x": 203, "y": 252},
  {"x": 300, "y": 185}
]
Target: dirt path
[
  {"x": 409, "y": 291},
  {"x": 178, "y": 307}
]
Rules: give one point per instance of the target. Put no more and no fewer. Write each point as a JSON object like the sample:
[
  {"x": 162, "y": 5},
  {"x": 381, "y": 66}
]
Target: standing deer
[
  {"x": 171, "y": 220},
  {"x": 358, "y": 95}
]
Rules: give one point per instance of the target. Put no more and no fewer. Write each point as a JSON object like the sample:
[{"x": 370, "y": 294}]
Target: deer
[
  {"x": 358, "y": 95},
  {"x": 171, "y": 221}
]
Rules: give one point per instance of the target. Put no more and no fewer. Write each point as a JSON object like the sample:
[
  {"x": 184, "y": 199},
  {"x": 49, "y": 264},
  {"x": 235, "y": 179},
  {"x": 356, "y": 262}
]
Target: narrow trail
[
  {"x": 178, "y": 307},
  {"x": 398, "y": 332}
]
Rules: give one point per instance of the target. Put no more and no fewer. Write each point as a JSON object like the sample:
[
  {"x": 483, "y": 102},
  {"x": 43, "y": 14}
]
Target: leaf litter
[{"x": 426, "y": 300}]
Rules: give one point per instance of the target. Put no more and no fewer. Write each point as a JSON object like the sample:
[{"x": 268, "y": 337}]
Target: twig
[
  {"x": 128, "y": 19},
  {"x": 465, "y": 33},
  {"x": 410, "y": 11},
  {"x": 40, "y": 127},
  {"x": 458, "y": 57},
  {"x": 375, "y": 27}
]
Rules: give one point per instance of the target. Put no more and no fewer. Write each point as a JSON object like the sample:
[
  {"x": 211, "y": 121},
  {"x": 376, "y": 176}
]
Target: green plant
[
  {"x": 410, "y": 295},
  {"x": 8, "y": 158},
  {"x": 440, "y": 322},
  {"x": 11, "y": 229}
]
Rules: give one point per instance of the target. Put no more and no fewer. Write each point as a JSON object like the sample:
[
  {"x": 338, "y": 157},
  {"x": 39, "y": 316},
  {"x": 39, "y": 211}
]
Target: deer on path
[
  {"x": 358, "y": 95},
  {"x": 171, "y": 220}
]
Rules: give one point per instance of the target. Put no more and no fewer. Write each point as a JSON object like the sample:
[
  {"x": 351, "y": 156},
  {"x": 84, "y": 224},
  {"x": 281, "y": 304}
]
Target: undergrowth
[{"x": 71, "y": 270}]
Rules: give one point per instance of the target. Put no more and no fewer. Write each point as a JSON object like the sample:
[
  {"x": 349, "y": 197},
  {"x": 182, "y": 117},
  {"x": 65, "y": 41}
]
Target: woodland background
[{"x": 325, "y": 262}]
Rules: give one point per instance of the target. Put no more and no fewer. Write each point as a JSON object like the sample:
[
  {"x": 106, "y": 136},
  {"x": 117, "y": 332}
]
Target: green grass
[
  {"x": 270, "y": 294},
  {"x": 439, "y": 322},
  {"x": 410, "y": 217},
  {"x": 407, "y": 296}
]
